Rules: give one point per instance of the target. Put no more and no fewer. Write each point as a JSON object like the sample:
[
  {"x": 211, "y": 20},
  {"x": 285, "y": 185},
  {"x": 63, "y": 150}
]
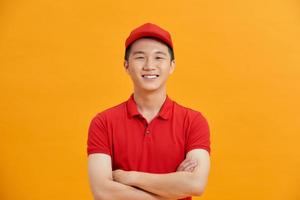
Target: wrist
[{"x": 133, "y": 177}]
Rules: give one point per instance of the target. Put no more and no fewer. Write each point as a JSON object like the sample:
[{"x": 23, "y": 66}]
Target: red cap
[{"x": 149, "y": 30}]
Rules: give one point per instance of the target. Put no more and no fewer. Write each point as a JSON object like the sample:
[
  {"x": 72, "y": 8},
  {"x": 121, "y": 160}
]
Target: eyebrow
[
  {"x": 137, "y": 52},
  {"x": 160, "y": 52},
  {"x": 142, "y": 52}
]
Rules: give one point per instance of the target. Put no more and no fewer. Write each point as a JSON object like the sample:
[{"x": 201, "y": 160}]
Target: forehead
[{"x": 148, "y": 44}]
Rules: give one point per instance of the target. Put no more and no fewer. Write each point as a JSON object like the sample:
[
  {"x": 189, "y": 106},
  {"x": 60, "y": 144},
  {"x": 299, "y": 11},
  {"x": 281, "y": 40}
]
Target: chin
[
  {"x": 147, "y": 88},
  {"x": 151, "y": 89}
]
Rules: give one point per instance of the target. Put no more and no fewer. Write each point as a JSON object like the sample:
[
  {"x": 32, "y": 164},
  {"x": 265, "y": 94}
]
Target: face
[{"x": 149, "y": 65}]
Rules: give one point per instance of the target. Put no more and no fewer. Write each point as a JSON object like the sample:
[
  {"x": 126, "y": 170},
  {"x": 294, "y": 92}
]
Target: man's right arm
[{"x": 104, "y": 188}]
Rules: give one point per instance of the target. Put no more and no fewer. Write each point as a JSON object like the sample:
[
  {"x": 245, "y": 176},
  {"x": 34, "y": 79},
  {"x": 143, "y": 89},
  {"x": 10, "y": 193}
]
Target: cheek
[
  {"x": 167, "y": 70},
  {"x": 133, "y": 73}
]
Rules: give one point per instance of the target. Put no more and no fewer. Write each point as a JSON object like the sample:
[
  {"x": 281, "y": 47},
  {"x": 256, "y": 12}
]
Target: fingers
[
  {"x": 183, "y": 164},
  {"x": 190, "y": 168},
  {"x": 187, "y": 165}
]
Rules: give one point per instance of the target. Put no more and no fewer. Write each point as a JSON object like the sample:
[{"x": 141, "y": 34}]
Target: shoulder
[
  {"x": 188, "y": 113},
  {"x": 110, "y": 113},
  {"x": 196, "y": 128}
]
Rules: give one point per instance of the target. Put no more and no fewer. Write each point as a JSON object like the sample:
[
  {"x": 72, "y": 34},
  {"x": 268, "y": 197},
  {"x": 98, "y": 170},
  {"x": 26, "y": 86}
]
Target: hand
[
  {"x": 122, "y": 176},
  {"x": 188, "y": 165}
]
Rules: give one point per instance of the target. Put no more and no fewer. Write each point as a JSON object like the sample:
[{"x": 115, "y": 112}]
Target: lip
[
  {"x": 150, "y": 77},
  {"x": 143, "y": 75}
]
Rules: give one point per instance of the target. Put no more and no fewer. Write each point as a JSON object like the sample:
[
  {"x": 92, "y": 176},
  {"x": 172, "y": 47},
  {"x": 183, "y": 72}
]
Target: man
[{"x": 148, "y": 147}]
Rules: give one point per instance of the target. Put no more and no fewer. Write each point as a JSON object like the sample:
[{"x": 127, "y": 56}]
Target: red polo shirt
[{"x": 155, "y": 147}]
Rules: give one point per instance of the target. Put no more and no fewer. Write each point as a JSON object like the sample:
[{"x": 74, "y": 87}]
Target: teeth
[{"x": 150, "y": 76}]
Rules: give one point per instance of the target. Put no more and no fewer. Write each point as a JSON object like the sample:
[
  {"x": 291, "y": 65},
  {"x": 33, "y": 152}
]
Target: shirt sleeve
[
  {"x": 199, "y": 134},
  {"x": 98, "y": 140}
]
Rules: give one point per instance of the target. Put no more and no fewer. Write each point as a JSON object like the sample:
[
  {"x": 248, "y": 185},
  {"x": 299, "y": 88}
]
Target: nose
[{"x": 149, "y": 65}]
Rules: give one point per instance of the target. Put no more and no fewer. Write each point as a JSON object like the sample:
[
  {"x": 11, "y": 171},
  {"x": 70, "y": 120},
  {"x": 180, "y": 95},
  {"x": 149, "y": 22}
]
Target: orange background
[{"x": 238, "y": 62}]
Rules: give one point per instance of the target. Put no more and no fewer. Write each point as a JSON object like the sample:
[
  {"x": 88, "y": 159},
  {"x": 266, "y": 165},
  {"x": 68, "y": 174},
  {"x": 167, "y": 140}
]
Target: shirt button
[{"x": 147, "y": 131}]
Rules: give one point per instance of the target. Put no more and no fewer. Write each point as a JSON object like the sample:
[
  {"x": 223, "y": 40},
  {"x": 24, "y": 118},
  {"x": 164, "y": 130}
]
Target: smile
[{"x": 150, "y": 76}]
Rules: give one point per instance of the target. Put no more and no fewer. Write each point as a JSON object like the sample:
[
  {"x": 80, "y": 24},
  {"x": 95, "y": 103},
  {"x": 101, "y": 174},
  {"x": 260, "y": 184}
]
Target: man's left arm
[{"x": 174, "y": 185}]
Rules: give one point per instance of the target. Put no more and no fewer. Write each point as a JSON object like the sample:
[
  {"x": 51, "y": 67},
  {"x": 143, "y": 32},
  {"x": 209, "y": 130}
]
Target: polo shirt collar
[{"x": 164, "y": 112}]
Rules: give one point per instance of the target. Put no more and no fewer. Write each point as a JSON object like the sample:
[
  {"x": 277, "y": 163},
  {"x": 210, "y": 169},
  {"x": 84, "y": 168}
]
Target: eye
[
  {"x": 159, "y": 58},
  {"x": 139, "y": 57}
]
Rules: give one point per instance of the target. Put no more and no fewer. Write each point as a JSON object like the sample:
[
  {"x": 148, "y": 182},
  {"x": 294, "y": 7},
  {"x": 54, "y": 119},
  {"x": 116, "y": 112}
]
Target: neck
[{"x": 149, "y": 102}]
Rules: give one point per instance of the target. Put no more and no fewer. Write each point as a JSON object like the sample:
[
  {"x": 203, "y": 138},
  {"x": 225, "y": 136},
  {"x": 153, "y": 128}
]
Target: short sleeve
[
  {"x": 98, "y": 140},
  {"x": 199, "y": 134}
]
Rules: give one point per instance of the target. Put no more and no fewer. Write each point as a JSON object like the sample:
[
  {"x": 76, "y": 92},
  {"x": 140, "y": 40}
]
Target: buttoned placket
[{"x": 147, "y": 126}]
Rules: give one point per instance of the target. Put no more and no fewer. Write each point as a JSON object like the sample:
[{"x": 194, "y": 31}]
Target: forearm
[
  {"x": 112, "y": 190},
  {"x": 171, "y": 185}
]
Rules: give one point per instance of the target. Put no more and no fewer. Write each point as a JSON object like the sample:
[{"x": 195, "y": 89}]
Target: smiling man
[{"x": 148, "y": 147}]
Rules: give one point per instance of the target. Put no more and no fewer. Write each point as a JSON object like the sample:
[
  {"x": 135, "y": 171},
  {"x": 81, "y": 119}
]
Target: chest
[{"x": 157, "y": 147}]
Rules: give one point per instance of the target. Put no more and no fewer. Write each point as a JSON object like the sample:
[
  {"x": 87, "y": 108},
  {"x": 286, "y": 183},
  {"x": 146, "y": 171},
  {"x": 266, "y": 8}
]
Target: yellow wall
[{"x": 238, "y": 62}]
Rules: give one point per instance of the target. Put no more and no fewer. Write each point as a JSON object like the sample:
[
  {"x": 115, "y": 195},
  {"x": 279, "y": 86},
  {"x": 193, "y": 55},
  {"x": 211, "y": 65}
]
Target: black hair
[{"x": 170, "y": 49}]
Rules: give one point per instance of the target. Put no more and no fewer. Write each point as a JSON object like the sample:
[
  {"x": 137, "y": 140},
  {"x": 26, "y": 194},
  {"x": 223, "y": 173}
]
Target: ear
[
  {"x": 172, "y": 67},
  {"x": 126, "y": 65}
]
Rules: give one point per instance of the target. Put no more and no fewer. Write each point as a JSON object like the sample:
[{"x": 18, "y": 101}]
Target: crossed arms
[{"x": 189, "y": 180}]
